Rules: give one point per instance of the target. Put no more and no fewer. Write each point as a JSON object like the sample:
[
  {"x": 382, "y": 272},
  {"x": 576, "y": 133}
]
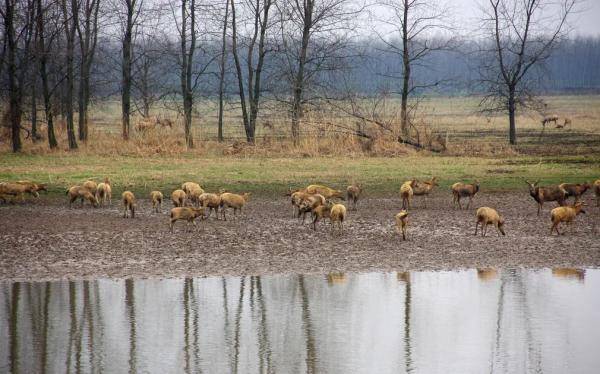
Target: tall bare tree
[
  {"x": 188, "y": 12},
  {"x": 14, "y": 105},
  {"x": 524, "y": 34},
  {"x": 87, "y": 31},
  {"x": 44, "y": 47},
  {"x": 132, "y": 10},
  {"x": 259, "y": 13},
  {"x": 70, "y": 12},
  {"x": 414, "y": 24},
  {"x": 315, "y": 35},
  {"x": 19, "y": 27},
  {"x": 222, "y": 70}
]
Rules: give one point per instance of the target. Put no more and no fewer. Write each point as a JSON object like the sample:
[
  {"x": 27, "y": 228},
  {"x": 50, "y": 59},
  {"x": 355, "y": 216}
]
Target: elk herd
[{"x": 191, "y": 201}]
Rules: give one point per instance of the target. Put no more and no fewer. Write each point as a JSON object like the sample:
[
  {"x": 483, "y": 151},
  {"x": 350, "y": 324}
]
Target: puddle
[{"x": 472, "y": 321}]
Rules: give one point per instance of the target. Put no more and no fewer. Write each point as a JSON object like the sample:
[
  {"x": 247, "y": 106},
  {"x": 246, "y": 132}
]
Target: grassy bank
[{"x": 263, "y": 176}]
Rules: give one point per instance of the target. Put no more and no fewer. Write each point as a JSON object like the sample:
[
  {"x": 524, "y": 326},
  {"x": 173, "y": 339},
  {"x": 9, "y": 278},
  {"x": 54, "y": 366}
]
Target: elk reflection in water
[{"x": 340, "y": 322}]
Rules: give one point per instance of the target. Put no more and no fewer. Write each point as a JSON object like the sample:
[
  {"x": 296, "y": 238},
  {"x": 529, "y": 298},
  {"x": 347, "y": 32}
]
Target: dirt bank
[{"x": 45, "y": 239}]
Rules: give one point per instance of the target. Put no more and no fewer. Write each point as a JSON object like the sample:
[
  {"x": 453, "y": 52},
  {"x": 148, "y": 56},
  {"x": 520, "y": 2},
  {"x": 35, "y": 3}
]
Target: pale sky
[
  {"x": 586, "y": 21},
  {"x": 466, "y": 15}
]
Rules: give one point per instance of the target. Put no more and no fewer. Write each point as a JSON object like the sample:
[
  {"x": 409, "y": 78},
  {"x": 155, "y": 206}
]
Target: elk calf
[
  {"x": 406, "y": 193},
  {"x": 104, "y": 192},
  {"x": 488, "y": 216},
  {"x": 320, "y": 212},
  {"x": 178, "y": 198},
  {"x": 210, "y": 201},
  {"x": 402, "y": 223},
  {"x": 128, "y": 203},
  {"x": 353, "y": 193},
  {"x": 231, "y": 200},
  {"x": 82, "y": 193},
  {"x": 564, "y": 214},
  {"x": 157, "y": 198},
  {"x": 185, "y": 213},
  {"x": 337, "y": 215}
]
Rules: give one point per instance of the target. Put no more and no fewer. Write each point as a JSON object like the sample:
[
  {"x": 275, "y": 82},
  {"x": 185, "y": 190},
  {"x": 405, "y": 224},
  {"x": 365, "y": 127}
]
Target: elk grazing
[
  {"x": 564, "y": 214},
  {"x": 82, "y": 193},
  {"x": 543, "y": 194},
  {"x": 488, "y": 216},
  {"x": 128, "y": 203},
  {"x": 337, "y": 215},
  {"x": 156, "y": 197},
  {"x": 460, "y": 190},
  {"x": 550, "y": 118},
  {"x": 566, "y": 123},
  {"x": 402, "y": 223},
  {"x": 185, "y": 213}
]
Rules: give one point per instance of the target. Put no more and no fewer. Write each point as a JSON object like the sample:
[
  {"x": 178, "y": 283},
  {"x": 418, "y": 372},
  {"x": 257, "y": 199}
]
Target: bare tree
[
  {"x": 259, "y": 11},
  {"x": 14, "y": 106},
  {"x": 87, "y": 31},
  {"x": 132, "y": 10},
  {"x": 188, "y": 12},
  {"x": 44, "y": 46},
  {"x": 315, "y": 35},
  {"x": 70, "y": 20},
  {"x": 18, "y": 19},
  {"x": 222, "y": 70},
  {"x": 413, "y": 24},
  {"x": 150, "y": 82},
  {"x": 524, "y": 34}
]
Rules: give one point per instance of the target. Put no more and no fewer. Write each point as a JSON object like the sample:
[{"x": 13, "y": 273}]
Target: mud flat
[{"x": 45, "y": 240}]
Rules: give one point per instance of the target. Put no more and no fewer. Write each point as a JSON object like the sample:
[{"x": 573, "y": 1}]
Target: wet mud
[{"x": 45, "y": 240}]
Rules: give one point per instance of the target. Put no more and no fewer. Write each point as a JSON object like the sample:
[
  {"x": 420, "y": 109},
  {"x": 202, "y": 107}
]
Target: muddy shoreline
[{"x": 45, "y": 240}]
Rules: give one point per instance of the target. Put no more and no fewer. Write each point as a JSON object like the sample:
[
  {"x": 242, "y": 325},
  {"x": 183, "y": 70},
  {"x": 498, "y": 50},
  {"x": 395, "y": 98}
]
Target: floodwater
[{"x": 471, "y": 321}]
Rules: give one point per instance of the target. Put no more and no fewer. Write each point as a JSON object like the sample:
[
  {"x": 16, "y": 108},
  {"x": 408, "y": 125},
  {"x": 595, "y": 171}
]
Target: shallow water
[{"x": 472, "y": 321}]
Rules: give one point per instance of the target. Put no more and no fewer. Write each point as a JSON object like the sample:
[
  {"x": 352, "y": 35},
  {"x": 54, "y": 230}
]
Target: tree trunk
[
  {"x": 70, "y": 36},
  {"x": 187, "y": 60},
  {"x": 42, "y": 58},
  {"x": 512, "y": 130},
  {"x": 222, "y": 73},
  {"x": 297, "y": 110},
  {"x": 406, "y": 73},
  {"x": 126, "y": 72},
  {"x": 34, "y": 134},
  {"x": 238, "y": 68},
  {"x": 87, "y": 42},
  {"x": 14, "y": 108}
]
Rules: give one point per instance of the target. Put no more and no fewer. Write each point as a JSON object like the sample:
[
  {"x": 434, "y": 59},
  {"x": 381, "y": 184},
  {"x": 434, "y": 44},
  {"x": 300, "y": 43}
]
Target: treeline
[{"x": 59, "y": 55}]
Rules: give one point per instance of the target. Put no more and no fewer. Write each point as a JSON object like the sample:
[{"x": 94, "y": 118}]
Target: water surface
[{"x": 472, "y": 321}]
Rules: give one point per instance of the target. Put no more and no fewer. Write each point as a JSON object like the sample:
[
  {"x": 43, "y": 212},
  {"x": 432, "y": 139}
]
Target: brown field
[{"x": 324, "y": 131}]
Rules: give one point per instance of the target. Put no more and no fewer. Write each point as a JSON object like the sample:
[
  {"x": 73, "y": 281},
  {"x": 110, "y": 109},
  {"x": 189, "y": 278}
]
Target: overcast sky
[{"x": 586, "y": 22}]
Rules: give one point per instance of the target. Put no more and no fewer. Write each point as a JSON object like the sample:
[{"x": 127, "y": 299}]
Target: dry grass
[{"x": 324, "y": 132}]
